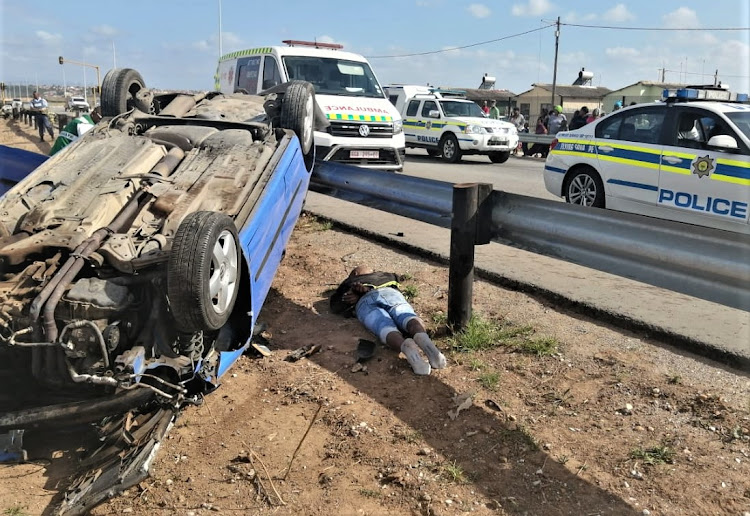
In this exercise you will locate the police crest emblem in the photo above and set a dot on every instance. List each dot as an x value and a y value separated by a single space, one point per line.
703 166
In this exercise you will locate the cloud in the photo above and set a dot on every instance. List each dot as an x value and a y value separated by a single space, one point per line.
622 52
326 39
48 37
229 41
619 13
681 18
479 10
532 8
573 17
104 30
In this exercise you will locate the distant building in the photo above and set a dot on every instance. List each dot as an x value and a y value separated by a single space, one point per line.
538 100
640 92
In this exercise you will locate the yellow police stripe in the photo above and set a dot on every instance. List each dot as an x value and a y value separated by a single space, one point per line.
734 163
624 161
675 170
582 142
573 153
730 179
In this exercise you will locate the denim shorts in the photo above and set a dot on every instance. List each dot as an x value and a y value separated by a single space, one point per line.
384 310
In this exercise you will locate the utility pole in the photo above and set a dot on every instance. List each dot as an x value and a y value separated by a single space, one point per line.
554 73
221 50
716 77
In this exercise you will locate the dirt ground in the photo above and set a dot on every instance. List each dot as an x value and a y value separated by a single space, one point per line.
613 422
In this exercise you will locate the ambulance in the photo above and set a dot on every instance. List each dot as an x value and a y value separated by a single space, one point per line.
365 128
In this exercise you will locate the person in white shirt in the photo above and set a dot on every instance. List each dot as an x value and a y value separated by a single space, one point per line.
39 107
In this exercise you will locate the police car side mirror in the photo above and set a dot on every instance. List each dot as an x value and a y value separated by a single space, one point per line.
434 113
723 142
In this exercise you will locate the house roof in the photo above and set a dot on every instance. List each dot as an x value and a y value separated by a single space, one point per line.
665 85
586 92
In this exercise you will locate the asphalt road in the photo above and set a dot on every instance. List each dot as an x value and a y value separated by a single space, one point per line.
517 175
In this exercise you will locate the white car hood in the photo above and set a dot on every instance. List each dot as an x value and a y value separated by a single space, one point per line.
485 122
357 109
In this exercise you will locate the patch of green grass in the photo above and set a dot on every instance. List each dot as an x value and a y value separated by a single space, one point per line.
407 276
563 459
410 436
481 334
439 318
489 380
476 364
370 493
15 511
674 380
528 437
410 291
654 455
541 346
455 473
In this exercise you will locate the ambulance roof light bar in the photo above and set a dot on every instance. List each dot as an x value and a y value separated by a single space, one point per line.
698 93
314 44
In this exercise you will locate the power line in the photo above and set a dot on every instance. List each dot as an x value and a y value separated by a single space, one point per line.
464 46
699 73
657 28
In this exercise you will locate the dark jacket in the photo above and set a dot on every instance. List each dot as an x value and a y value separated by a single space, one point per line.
577 122
375 279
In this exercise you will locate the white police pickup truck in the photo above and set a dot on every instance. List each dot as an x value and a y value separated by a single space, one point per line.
685 159
448 125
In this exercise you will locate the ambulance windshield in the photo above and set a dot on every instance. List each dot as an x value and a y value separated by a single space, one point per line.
334 76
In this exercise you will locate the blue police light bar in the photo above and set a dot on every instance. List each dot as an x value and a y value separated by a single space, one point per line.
704 94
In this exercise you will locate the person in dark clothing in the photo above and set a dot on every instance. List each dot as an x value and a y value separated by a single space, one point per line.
579 119
375 299
539 148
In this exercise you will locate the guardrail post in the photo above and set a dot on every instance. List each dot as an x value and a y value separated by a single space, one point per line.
461 266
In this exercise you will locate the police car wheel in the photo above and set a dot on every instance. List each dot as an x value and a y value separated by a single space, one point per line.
585 187
449 149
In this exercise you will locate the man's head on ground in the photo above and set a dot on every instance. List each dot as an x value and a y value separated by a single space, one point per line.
361 271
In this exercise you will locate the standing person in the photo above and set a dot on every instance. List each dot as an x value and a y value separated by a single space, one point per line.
494 110
39 107
375 299
75 129
557 121
485 107
519 121
579 119
593 116
617 105
525 145
539 148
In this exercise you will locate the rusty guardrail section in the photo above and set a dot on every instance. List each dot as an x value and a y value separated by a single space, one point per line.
701 262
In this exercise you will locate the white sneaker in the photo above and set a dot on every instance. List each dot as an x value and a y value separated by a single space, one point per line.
436 358
417 363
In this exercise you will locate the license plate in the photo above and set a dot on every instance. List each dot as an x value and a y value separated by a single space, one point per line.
364 154
496 141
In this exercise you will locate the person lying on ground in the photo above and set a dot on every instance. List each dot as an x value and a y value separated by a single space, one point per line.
377 302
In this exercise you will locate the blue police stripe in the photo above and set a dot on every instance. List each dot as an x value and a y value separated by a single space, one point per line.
732 171
646 157
555 169
633 185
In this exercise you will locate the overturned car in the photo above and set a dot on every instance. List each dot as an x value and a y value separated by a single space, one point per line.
134 263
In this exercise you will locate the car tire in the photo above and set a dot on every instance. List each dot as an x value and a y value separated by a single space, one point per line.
433 153
203 272
499 157
298 114
585 187
119 89
449 149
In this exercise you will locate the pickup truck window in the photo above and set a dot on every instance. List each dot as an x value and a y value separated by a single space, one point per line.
413 108
454 108
428 106
332 76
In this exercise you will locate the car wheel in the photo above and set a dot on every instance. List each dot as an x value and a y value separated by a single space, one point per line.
433 153
449 149
119 88
585 187
203 272
298 113
499 157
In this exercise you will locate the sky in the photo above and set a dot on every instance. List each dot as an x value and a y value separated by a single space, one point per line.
175 43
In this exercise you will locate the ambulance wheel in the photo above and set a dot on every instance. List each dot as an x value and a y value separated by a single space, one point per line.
585 187
297 114
449 149
119 89
499 157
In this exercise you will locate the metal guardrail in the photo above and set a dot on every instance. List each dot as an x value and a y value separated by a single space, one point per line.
545 139
697 261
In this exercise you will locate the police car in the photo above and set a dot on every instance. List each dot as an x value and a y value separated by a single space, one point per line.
685 159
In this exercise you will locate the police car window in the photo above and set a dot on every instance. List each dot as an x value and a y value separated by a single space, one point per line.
609 128
742 120
428 106
455 108
413 108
